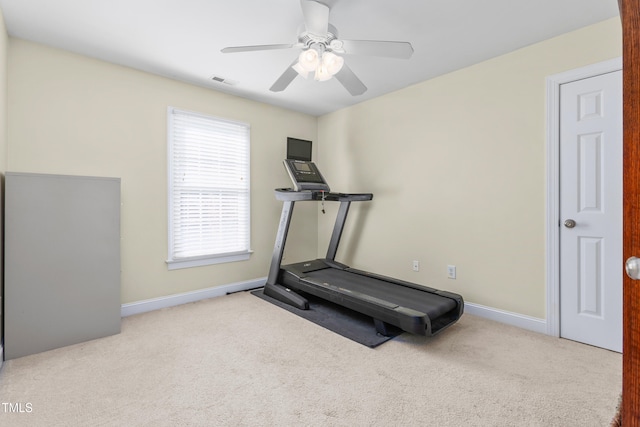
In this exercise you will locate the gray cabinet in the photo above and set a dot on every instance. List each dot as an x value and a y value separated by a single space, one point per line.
62 261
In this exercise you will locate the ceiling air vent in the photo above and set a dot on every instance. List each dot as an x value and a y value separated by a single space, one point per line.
219 79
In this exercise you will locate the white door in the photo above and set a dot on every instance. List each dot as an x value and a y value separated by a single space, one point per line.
591 211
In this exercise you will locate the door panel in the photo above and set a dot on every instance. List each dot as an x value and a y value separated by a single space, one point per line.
591 200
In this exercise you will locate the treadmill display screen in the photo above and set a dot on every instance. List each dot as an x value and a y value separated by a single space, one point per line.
302 167
305 175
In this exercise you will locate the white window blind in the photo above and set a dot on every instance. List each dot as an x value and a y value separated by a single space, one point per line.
208 190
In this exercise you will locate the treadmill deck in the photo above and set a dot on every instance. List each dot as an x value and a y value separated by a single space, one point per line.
406 305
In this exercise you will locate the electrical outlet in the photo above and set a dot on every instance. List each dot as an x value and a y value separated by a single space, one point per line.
416 265
451 271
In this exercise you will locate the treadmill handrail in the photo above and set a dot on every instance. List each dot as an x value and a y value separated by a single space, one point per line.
289 194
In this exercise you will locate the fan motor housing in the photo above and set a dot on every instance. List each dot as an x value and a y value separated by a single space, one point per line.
307 39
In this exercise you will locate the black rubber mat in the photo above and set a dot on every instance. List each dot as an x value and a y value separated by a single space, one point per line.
348 323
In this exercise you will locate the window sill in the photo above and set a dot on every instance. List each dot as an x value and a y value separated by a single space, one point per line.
207 260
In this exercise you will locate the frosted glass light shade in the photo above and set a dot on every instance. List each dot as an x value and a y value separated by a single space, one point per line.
309 59
332 62
322 73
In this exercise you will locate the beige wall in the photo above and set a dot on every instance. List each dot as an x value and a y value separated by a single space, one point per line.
74 115
456 164
457 168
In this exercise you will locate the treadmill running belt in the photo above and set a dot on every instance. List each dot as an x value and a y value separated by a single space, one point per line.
426 302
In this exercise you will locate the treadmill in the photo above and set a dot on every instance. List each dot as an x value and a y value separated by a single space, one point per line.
411 307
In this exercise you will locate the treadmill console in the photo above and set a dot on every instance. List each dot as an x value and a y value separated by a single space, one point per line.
305 175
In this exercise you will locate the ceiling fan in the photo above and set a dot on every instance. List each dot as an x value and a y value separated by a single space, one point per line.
322 50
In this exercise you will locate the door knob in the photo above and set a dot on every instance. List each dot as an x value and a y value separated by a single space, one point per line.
569 223
632 267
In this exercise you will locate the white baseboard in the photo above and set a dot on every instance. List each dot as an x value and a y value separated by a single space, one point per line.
144 306
525 322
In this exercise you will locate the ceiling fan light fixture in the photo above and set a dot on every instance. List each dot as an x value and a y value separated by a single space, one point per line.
332 62
309 59
322 73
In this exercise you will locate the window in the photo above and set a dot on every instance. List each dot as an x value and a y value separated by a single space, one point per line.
208 190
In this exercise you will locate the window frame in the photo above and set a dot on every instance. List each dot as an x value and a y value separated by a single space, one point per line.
172 261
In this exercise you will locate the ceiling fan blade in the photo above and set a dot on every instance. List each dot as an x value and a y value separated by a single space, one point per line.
235 49
316 17
388 49
350 81
285 79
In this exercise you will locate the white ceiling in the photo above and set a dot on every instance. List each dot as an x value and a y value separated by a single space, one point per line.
182 39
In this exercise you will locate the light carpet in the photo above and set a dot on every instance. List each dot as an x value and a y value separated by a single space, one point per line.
240 361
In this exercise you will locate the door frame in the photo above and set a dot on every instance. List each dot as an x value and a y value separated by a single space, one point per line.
553 180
